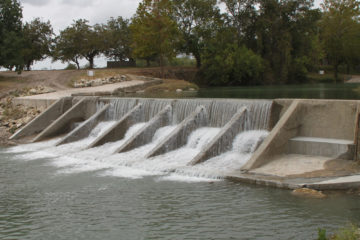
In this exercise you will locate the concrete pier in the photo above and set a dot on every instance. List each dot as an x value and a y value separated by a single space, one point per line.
44 119
74 114
84 129
117 132
179 136
223 141
145 134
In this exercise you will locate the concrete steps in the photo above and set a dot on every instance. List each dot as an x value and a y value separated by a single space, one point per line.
326 147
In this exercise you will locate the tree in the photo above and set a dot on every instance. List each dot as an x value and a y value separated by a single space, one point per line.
284 30
11 34
118 39
154 32
242 16
196 21
80 40
68 46
226 63
341 31
37 41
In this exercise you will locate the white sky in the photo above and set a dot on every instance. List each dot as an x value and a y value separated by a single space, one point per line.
61 14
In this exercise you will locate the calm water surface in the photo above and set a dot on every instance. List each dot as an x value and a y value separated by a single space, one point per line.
38 201
314 91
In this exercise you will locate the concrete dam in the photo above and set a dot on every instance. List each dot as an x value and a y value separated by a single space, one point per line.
218 138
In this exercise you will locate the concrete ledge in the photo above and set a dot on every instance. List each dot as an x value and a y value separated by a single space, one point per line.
264 181
327 147
59 126
85 128
276 142
178 137
339 183
44 119
223 140
117 132
34 102
145 134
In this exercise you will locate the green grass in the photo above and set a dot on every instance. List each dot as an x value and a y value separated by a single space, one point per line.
349 232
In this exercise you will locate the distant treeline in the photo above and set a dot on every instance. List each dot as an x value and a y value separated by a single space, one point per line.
252 42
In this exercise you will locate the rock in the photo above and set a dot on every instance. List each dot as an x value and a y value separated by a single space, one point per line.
123 78
32 91
18 125
192 89
178 90
307 192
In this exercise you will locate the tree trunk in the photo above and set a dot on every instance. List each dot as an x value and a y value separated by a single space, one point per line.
147 62
28 66
91 62
336 72
198 60
76 61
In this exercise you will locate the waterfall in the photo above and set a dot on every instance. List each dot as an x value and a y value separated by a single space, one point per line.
181 129
219 111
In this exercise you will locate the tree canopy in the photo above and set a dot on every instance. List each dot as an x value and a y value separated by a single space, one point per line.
11 34
154 31
250 42
37 40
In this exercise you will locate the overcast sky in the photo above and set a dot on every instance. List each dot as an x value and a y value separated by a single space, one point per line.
61 14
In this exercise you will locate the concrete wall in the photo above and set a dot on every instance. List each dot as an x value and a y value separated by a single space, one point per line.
44 119
276 143
332 119
80 111
222 142
117 132
86 127
179 136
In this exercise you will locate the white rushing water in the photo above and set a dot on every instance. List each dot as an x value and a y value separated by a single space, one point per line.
75 157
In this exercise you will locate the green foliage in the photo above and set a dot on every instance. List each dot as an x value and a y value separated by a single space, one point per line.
183 62
340 32
37 41
197 21
118 39
350 232
11 40
321 234
231 65
70 66
80 40
154 32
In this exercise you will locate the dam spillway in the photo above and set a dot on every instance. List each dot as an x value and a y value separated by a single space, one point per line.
196 137
154 135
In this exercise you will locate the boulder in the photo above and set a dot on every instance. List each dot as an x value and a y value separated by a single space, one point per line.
307 192
33 91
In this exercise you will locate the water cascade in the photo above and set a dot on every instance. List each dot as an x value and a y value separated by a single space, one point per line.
139 137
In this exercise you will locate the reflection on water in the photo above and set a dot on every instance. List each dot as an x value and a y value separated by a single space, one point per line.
38 203
314 91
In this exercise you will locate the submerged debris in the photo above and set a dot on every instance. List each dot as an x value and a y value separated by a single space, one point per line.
307 192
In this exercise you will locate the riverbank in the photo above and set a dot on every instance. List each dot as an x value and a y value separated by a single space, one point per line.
35 90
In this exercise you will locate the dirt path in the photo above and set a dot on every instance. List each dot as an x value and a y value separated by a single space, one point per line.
354 79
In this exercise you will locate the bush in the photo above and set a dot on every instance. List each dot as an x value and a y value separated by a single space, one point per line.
70 66
232 65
